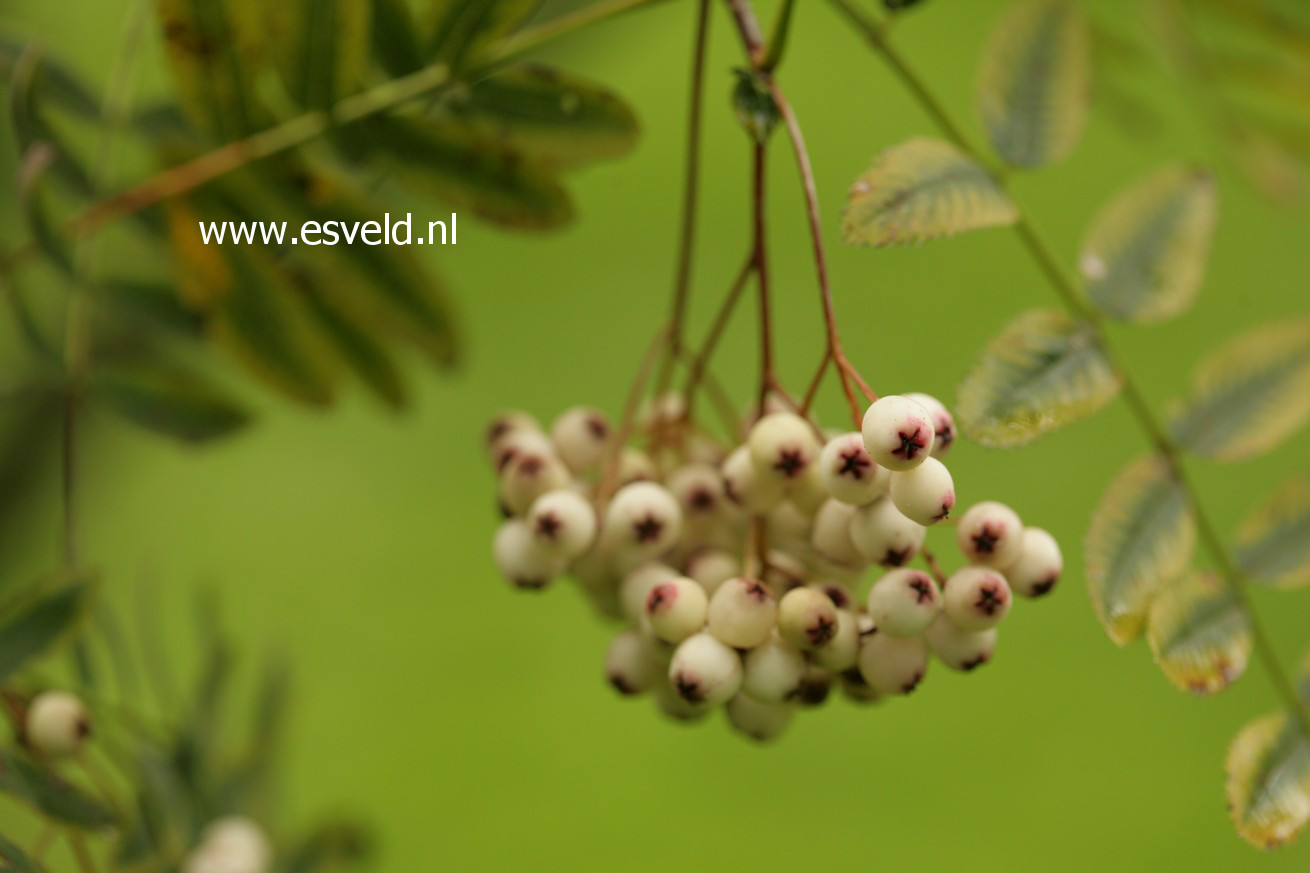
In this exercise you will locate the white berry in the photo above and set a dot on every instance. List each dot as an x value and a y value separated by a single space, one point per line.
745 487
807 618
943 423
507 423
705 671
762 722
519 442
843 650
1039 565
635 466
782 446
893 665
629 666
849 473
831 534
773 670
712 567
520 557
977 598
676 609
57 724
742 613
582 437
563 523
990 534
904 602
884 536
529 475
636 586
233 844
925 494
898 432
643 519
960 649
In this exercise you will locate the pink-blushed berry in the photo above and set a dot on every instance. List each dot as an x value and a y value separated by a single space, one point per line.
977 598
675 609
925 494
943 423
898 432
848 472
904 602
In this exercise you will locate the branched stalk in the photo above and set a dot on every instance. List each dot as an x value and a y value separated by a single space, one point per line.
768 379
1066 288
699 363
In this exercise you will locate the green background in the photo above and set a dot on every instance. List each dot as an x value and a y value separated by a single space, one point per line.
470 724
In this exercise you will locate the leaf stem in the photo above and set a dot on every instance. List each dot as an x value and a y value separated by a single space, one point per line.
1067 289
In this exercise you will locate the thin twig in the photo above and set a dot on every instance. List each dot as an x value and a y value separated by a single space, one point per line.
768 380
1067 290
696 370
610 477
933 566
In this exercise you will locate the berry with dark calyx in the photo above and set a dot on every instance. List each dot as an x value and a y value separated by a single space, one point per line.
959 649
838 593
636 586
742 613
990 534
944 432
529 475
698 488
506 423
815 687
705 671
783 572
773 670
712 567
904 602
643 520
629 665
563 523
848 472
1039 564
925 494
782 446
884 536
893 665
807 618
856 689
676 609
56 724
831 534
582 437
843 650
977 598
898 432
519 442
762 722
673 705
747 488
521 559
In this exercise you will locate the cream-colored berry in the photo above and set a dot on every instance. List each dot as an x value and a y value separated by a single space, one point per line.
57 724
676 609
635 466
1039 564
762 722
629 665
520 557
893 665
807 618
705 671
943 423
563 523
528 476
712 567
904 602
898 432
884 536
506 423
843 650
990 534
926 494
831 534
745 487
957 648
582 437
782 446
849 473
643 519
742 613
636 586
773 670
519 442
977 598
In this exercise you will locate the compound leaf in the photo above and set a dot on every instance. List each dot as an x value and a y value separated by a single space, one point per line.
920 190
1250 395
51 795
461 29
1273 545
321 47
1268 783
15 860
169 401
1145 254
214 48
1034 85
39 625
1042 372
1199 633
1141 539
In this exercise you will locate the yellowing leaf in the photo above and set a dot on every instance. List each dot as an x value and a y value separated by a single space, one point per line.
1034 86
1273 545
1141 539
1042 372
920 190
1146 252
1199 633
1268 786
1250 395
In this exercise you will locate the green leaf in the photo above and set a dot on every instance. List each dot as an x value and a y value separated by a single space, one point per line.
214 50
15 860
358 348
462 29
1199 633
920 190
331 846
551 115
753 103
1273 545
50 794
39 625
56 84
1250 395
1042 372
1268 786
169 401
148 302
471 173
1141 539
395 37
1145 255
33 131
1034 85
321 47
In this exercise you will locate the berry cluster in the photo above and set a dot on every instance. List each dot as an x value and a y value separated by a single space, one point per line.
737 572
